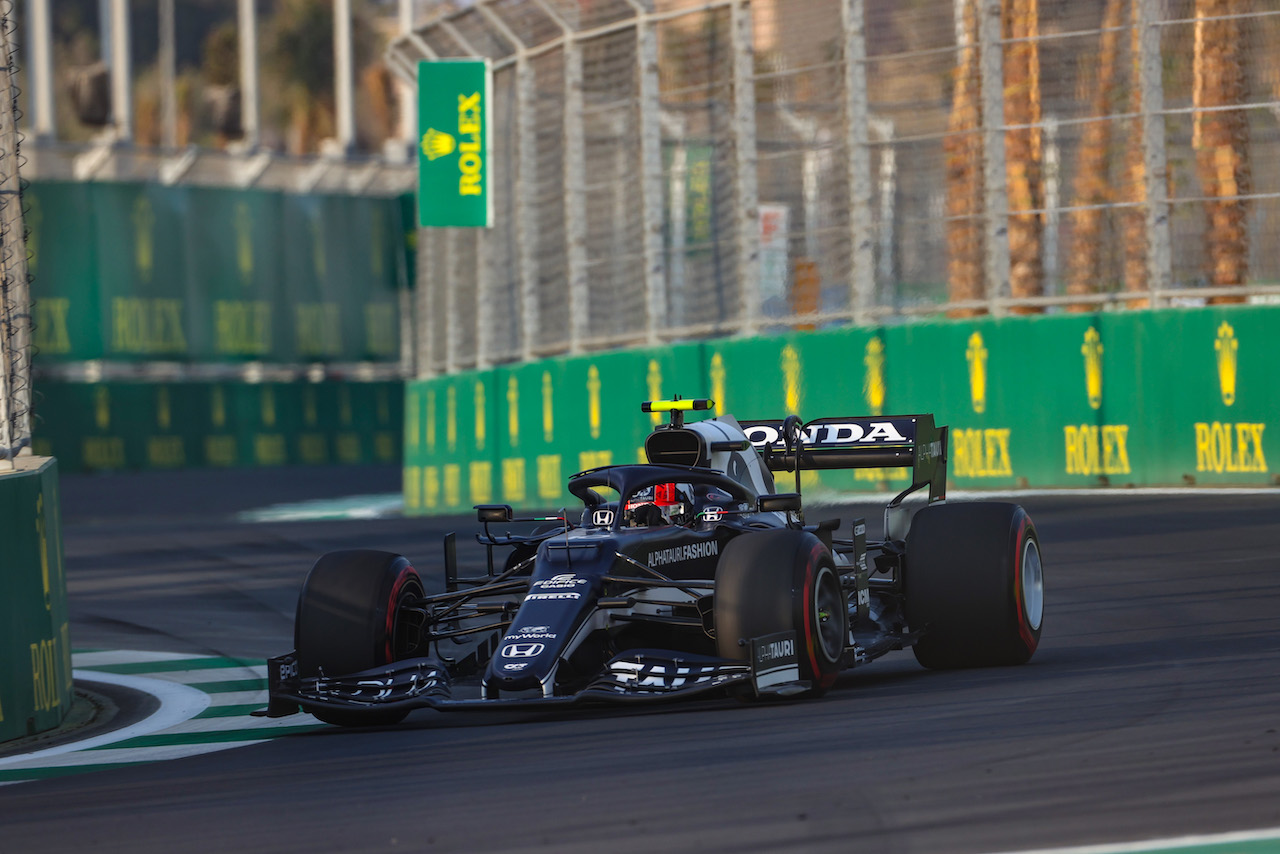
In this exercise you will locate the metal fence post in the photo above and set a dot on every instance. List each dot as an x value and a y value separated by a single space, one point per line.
886 271
452 309
744 138
575 208
650 118
250 112
995 178
857 122
674 125
424 306
525 181
484 303
121 71
1159 253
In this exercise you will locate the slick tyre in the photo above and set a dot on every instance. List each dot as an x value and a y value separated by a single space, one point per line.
974 583
349 619
778 581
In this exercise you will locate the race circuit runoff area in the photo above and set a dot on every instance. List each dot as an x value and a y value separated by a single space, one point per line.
202 704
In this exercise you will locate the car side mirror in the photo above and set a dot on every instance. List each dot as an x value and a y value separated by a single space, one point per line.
494 512
783 502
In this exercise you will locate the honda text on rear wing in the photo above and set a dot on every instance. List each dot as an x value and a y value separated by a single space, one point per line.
850 443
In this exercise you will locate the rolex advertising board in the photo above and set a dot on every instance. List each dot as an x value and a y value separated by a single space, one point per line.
1202 391
454 98
1144 398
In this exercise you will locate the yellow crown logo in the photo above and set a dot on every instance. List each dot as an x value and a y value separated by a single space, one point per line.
977 356
873 387
144 219
513 410
548 411
791 378
718 377
102 407
437 143
654 382
1228 359
480 416
451 418
1092 351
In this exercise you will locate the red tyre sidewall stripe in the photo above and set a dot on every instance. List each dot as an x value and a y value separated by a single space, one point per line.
402 578
822 680
1019 600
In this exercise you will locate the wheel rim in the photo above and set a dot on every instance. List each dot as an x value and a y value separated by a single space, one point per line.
1032 584
828 601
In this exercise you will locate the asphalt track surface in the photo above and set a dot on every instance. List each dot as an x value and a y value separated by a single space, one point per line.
1152 708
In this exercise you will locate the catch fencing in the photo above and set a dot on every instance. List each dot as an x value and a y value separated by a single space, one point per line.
674 169
15 300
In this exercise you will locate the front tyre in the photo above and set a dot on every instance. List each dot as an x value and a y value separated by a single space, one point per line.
974 582
351 618
778 581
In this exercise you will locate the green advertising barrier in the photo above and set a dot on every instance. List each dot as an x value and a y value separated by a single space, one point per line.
1201 390
1011 391
150 426
234 267
66 315
1182 396
515 435
35 644
145 272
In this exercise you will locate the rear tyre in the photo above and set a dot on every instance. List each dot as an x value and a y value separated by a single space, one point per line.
974 583
349 619
778 581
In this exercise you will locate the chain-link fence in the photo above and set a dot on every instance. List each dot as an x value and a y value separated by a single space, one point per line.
669 169
15 310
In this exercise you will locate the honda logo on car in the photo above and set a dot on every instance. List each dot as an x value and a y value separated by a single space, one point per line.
602 518
523 650
692 551
872 432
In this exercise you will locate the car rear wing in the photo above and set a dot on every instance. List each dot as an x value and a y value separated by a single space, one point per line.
892 441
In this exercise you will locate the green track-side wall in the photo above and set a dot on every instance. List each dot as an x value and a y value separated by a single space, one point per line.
1169 397
35 649
136 272
118 425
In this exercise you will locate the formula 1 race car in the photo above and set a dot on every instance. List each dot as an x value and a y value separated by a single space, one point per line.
682 577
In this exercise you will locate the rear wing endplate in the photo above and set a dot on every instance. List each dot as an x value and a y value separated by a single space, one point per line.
894 441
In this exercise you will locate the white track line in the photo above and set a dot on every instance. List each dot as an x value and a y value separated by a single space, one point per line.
178 704
1176 842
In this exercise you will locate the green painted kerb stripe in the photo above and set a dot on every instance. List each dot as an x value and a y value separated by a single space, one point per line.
20 774
230 685
177 665
1256 846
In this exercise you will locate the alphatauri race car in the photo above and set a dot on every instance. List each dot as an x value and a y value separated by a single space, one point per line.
687 576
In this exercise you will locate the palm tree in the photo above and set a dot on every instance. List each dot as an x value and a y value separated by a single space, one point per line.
963 148
1023 153
1221 140
1092 187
